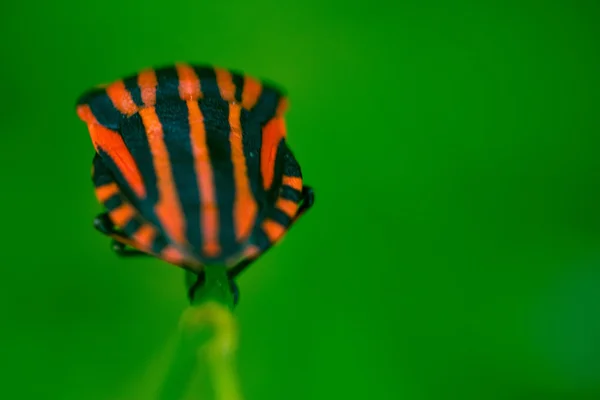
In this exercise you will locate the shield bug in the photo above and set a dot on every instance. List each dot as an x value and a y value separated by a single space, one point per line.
192 166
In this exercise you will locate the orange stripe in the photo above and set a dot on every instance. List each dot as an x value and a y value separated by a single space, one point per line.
251 92
121 215
141 240
189 84
282 107
121 98
104 192
144 236
112 143
147 83
206 185
245 208
293 181
273 229
85 114
225 83
289 207
172 255
251 251
271 136
168 209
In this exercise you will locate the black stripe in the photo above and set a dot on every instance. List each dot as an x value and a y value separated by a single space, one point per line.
167 83
102 107
291 167
278 170
158 244
208 81
101 175
216 123
88 95
134 136
280 217
266 106
285 165
113 202
132 226
289 193
252 142
261 240
238 81
131 83
269 85
174 119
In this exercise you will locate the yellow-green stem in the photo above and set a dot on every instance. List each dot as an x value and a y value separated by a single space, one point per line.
205 354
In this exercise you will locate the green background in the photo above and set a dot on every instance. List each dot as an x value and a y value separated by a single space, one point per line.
453 251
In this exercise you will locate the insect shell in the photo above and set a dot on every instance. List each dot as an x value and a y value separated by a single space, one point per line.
193 166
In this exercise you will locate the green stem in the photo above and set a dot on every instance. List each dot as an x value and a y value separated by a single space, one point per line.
204 357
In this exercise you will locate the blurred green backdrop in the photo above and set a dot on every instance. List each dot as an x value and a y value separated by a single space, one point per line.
454 249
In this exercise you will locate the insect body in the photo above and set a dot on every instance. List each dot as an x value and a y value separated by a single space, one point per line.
193 167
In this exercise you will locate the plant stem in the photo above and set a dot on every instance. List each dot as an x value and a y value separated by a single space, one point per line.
205 355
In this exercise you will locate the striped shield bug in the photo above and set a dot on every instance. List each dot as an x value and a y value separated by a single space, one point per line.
192 166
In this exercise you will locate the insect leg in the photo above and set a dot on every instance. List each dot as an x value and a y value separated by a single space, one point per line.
119 247
103 224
